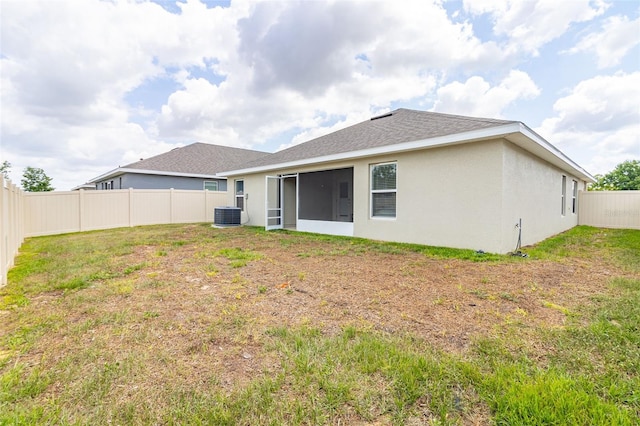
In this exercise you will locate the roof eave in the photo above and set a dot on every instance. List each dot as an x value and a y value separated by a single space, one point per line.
452 139
545 150
123 170
516 132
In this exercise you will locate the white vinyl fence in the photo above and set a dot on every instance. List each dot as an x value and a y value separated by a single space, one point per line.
609 209
11 225
47 213
31 214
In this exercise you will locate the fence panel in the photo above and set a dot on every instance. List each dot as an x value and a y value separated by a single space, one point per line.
104 209
188 206
48 213
151 207
609 209
193 206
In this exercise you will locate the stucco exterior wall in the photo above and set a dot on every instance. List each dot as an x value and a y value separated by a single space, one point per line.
465 196
532 191
254 189
446 196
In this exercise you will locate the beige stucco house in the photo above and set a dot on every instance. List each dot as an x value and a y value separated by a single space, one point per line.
417 177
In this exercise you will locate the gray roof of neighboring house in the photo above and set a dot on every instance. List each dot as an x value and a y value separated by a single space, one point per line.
401 125
198 158
195 160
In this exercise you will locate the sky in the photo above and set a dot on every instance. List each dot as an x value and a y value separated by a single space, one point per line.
88 86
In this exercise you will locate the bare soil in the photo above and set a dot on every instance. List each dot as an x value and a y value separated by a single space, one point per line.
191 317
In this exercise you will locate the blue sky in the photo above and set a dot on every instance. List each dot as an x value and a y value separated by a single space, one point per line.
89 86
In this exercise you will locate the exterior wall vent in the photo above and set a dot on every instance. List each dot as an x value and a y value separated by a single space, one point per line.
226 216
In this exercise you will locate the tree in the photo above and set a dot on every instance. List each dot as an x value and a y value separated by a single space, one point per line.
35 180
624 177
4 169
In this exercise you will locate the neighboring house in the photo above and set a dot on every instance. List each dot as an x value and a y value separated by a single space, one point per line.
417 177
85 186
189 167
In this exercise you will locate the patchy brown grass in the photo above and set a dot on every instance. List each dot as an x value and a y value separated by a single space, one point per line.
187 314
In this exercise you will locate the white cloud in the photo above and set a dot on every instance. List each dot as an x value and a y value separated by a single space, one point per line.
476 97
599 121
617 38
422 37
67 67
67 55
258 74
297 61
530 24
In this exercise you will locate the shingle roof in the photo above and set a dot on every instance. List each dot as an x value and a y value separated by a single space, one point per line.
198 158
401 125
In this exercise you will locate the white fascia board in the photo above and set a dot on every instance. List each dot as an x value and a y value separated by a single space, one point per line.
550 153
121 171
457 138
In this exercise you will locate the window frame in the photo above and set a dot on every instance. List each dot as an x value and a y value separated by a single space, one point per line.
239 195
373 192
574 196
214 182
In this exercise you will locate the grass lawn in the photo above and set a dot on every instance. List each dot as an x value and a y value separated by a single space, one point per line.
189 324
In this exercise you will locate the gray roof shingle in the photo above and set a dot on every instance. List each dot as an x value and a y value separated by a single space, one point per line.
198 158
401 125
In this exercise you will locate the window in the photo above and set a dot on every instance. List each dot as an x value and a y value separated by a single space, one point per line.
240 194
574 197
383 190
210 185
564 196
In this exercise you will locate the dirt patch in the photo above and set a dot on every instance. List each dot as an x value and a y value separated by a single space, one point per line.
189 316
329 285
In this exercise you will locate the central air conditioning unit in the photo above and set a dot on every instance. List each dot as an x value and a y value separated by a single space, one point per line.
226 216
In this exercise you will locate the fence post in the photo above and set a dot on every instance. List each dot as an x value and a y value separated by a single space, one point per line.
4 238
